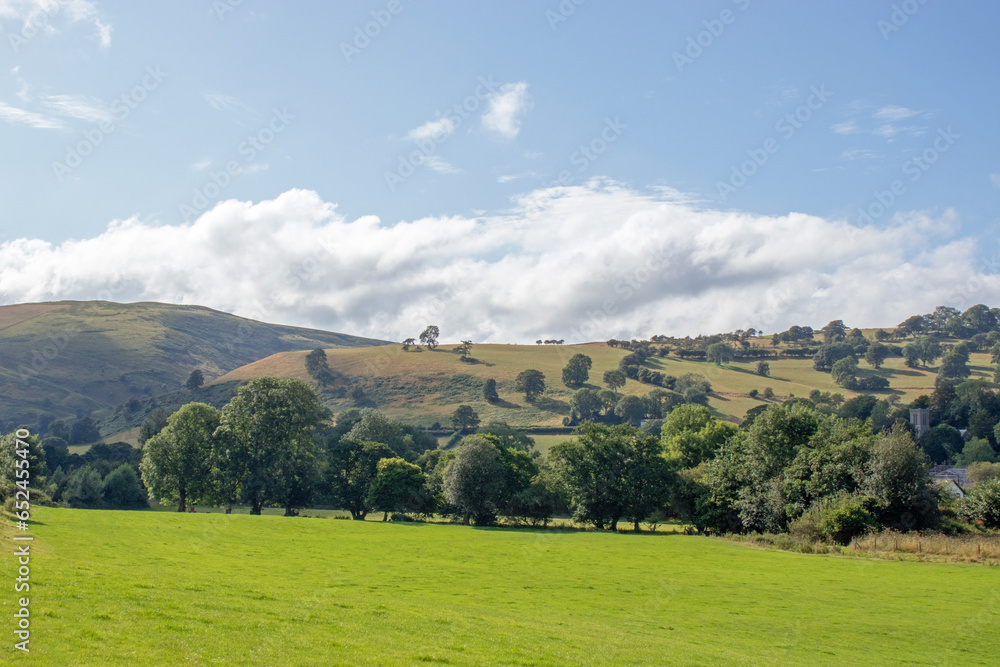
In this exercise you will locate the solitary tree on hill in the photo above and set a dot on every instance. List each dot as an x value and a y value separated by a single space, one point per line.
531 382
577 370
490 394
195 380
429 336
615 379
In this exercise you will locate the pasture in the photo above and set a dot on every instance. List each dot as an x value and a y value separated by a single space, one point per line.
144 588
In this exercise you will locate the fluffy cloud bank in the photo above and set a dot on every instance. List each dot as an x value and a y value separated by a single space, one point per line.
581 263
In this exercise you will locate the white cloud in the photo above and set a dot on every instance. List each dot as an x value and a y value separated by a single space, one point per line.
587 262
47 15
995 179
79 107
507 109
16 116
229 104
434 130
847 127
439 165
893 113
202 164
859 154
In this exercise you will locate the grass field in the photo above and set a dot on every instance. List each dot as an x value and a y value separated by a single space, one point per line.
425 387
158 588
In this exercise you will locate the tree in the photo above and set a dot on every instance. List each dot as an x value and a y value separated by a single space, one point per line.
195 380
691 435
83 432
465 349
876 354
12 465
829 354
122 489
490 394
353 468
84 488
474 480
976 450
270 426
176 462
319 368
429 336
611 473
896 476
509 438
585 405
845 372
577 370
763 368
410 342
630 409
615 379
982 504
464 418
398 487
940 443
834 331
979 319
531 382
912 325
155 422
720 353
953 366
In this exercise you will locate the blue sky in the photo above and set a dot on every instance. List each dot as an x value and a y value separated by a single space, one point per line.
467 129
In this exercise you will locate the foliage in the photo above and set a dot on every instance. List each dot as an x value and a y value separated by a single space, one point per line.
614 379
531 382
509 438
577 370
398 486
318 368
763 368
981 504
352 470
177 461
976 450
429 336
464 418
490 394
474 480
720 353
270 429
195 380
121 489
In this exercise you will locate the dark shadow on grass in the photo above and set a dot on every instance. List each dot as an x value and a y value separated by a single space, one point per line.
506 404
551 405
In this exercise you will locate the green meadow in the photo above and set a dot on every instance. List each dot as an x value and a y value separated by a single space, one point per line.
159 588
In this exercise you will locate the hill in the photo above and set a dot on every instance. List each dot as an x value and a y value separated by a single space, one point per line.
70 358
426 386
127 588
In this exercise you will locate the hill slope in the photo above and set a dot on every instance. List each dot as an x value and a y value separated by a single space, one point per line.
424 387
76 357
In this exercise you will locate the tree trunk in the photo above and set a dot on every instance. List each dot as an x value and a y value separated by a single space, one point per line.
385 516
256 506
289 511
229 508
182 504
465 520
635 524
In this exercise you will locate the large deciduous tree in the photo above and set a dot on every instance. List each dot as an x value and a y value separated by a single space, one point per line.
531 382
577 370
398 486
177 462
270 427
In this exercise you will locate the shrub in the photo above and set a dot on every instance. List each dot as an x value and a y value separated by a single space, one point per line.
982 504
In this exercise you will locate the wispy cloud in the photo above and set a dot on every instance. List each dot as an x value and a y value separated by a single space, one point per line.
893 113
47 15
847 127
434 130
16 116
202 164
79 107
229 104
507 109
439 164
859 154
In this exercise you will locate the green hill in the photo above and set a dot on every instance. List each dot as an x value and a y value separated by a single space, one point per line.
70 358
425 387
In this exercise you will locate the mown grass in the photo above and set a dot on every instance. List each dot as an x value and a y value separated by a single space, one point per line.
157 588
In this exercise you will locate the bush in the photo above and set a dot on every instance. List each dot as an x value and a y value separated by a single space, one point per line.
397 516
122 489
847 521
982 504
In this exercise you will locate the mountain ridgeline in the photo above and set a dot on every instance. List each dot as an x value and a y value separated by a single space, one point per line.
71 358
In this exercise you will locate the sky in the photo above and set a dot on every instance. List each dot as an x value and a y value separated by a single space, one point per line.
508 171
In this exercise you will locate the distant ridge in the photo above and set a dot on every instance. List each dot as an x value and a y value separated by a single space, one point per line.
70 358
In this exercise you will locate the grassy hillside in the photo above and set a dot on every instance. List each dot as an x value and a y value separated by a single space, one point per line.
72 357
426 387
145 588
